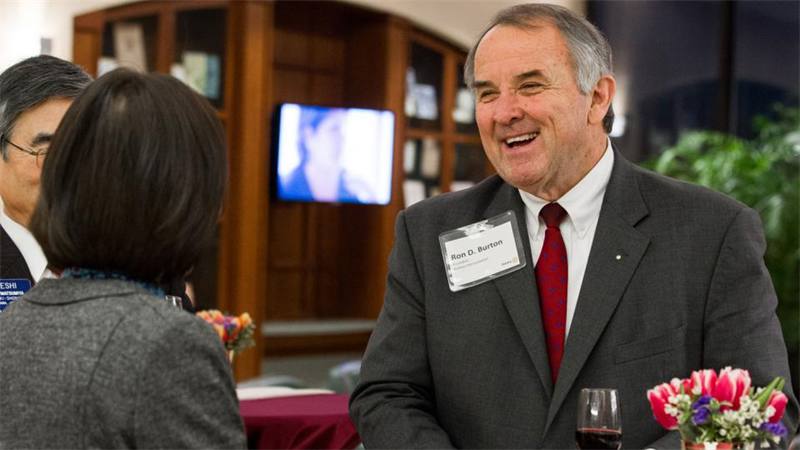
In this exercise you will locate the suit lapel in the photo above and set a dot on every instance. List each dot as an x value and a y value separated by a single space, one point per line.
616 251
518 290
12 263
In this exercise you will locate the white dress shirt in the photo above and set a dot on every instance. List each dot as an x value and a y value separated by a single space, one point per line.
582 204
27 245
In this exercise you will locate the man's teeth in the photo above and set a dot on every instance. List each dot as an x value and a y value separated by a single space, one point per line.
522 138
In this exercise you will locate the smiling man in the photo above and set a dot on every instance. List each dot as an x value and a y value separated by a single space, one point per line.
600 274
34 95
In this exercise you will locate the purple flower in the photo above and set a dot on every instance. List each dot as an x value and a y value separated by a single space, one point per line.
704 400
701 415
701 410
775 428
228 324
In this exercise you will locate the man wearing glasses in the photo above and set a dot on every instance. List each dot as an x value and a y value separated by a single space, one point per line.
34 95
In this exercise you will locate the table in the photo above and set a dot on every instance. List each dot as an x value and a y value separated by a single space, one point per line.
299 422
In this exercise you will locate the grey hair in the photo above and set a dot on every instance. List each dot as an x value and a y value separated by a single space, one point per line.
32 82
588 48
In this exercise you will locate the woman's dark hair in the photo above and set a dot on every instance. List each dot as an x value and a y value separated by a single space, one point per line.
134 179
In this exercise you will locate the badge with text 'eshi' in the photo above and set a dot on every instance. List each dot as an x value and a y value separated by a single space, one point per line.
12 289
482 251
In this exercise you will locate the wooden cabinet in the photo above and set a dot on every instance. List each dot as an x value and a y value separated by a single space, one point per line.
230 276
284 261
441 150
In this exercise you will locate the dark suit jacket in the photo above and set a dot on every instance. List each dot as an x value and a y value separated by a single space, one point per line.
470 368
12 264
104 364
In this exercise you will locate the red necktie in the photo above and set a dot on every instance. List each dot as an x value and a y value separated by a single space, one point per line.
551 279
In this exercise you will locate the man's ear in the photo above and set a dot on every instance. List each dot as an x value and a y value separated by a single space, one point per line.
602 94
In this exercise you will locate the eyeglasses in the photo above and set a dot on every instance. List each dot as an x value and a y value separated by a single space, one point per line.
35 153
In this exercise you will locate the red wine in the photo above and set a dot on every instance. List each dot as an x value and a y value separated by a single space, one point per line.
594 438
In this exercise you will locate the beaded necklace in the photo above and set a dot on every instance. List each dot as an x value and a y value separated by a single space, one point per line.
92 274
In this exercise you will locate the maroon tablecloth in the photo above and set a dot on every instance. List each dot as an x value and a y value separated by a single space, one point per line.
301 422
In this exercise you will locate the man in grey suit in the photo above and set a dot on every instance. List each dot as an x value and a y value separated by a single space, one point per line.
620 279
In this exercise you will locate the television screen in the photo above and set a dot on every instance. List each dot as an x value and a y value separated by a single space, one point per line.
341 155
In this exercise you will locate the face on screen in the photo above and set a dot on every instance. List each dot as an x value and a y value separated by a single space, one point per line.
324 142
334 154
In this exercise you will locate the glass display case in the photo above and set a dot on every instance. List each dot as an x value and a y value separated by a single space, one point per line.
130 42
442 150
199 56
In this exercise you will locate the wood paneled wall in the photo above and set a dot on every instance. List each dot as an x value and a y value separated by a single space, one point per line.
243 250
325 259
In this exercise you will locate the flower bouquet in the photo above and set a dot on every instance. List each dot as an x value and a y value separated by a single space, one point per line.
235 332
720 410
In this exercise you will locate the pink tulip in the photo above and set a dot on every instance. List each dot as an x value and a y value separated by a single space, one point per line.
705 379
778 401
659 398
731 385
677 383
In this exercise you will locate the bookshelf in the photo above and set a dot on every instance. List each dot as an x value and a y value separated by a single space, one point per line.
441 150
181 38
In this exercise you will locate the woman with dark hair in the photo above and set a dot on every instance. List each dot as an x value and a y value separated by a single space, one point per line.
131 191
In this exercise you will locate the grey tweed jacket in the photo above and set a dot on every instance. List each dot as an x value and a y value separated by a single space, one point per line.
105 364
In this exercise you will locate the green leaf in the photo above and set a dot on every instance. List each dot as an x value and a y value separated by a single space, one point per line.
763 396
688 432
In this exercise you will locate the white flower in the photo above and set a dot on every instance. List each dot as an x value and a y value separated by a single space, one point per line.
769 412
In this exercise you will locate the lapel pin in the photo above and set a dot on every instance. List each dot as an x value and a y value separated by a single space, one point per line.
618 257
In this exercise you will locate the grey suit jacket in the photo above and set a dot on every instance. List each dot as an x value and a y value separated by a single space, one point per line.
105 364
470 368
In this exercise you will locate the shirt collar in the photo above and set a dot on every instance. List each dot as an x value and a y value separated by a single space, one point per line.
26 243
583 201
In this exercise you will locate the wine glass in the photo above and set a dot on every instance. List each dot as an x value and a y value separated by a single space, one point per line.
599 423
174 300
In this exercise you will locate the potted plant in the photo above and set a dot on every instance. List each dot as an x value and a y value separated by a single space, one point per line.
763 173
236 332
720 411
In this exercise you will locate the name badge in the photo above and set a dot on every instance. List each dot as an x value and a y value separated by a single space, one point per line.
12 289
482 251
